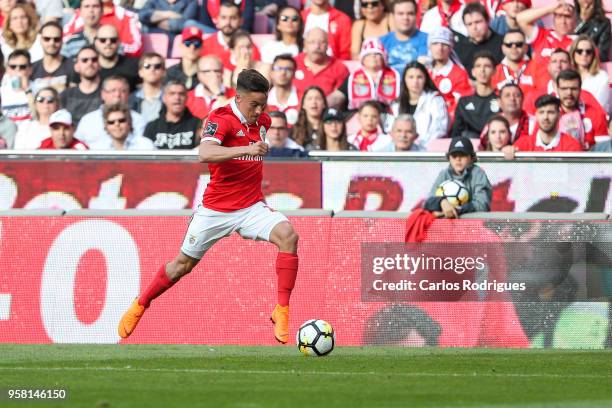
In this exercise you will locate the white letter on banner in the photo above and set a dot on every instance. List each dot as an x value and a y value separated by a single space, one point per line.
8 192
57 286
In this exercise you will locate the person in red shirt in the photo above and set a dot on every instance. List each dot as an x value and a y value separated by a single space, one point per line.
513 68
315 67
228 22
124 20
335 23
62 133
209 93
233 145
547 137
544 41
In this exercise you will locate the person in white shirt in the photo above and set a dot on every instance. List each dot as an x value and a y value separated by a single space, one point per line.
585 60
289 35
118 124
30 133
403 136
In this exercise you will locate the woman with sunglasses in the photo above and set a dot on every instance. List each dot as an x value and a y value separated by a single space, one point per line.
585 60
31 132
374 22
289 35
593 22
20 31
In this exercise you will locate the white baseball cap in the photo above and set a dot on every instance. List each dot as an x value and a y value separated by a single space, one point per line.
61 116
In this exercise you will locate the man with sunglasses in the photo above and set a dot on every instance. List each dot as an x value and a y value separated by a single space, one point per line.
111 63
209 93
53 69
514 67
85 97
15 90
117 122
186 71
148 99
62 133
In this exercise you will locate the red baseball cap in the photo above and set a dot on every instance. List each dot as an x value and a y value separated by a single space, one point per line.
191 32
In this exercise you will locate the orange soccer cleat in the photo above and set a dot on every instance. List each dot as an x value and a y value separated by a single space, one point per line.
130 319
280 318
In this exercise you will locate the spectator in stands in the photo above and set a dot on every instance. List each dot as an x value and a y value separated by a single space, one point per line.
211 14
369 137
593 22
209 93
289 35
374 80
167 15
309 125
5 8
497 137
583 53
548 137
406 43
543 41
20 31
480 37
118 125
334 138
420 98
474 111
15 89
191 49
511 107
111 63
62 133
446 71
175 128
335 23
79 35
115 89
546 83
403 135
125 21
85 97
448 14
228 21
278 138
283 95
505 22
242 57
147 100
32 132
269 9
512 69
315 67
49 10
8 129
462 167
580 119
53 69
374 22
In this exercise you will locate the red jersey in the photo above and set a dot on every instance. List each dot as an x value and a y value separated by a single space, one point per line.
216 45
290 109
338 32
234 184
453 82
328 79
561 143
199 104
505 75
76 144
543 43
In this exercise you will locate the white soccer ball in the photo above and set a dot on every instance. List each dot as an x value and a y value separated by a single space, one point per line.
454 191
315 338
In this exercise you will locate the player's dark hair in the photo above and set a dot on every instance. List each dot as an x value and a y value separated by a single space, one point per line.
250 80
285 57
485 54
51 23
404 96
396 2
545 100
20 53
509 85
569 75
475 7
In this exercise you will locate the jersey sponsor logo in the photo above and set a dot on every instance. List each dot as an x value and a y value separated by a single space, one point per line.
211 129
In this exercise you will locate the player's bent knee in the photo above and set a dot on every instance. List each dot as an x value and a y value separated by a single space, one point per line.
285 237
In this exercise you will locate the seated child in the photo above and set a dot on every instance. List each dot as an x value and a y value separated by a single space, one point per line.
370 136
461 167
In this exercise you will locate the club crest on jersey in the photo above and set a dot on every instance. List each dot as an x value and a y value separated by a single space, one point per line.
211 129
262 133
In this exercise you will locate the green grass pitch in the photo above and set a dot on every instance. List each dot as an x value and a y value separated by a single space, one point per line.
250 377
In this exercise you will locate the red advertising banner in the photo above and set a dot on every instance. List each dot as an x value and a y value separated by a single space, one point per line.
69 280
141 184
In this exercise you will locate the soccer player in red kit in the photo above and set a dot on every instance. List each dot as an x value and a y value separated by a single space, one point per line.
233 145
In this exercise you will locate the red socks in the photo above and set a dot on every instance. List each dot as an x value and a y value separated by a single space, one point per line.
158 285
286 271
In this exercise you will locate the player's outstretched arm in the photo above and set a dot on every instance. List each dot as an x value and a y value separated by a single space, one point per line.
211 152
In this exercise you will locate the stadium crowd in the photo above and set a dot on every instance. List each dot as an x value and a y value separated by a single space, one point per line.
369 75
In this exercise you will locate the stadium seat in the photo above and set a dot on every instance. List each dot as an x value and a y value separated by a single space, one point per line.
295 3
607 6
352 65
260 25
260 40
172 61
156 42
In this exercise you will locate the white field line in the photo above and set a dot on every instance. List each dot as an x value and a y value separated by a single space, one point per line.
306 372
